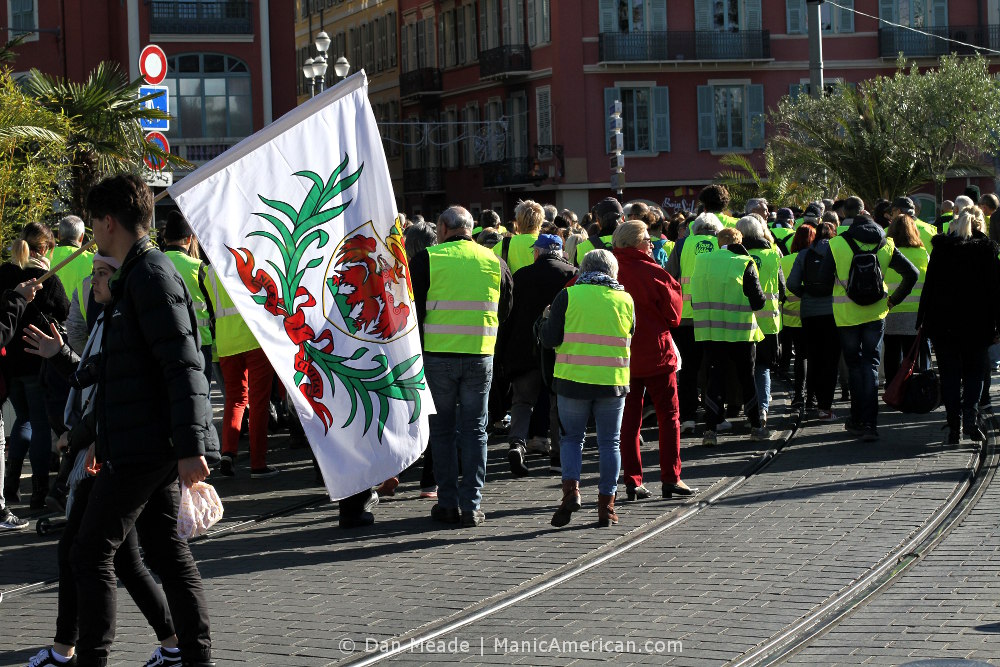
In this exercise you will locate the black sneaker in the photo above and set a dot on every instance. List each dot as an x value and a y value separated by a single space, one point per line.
472 518
515 456
870 433
263 473
10 522
44 658
162 656
359 520
854 428
226 466
445 514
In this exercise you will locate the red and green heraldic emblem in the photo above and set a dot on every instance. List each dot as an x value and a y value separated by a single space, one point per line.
368 281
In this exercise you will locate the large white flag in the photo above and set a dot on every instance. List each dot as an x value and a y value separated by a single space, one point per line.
300 223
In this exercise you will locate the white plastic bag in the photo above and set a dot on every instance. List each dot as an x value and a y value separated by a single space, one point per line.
200 509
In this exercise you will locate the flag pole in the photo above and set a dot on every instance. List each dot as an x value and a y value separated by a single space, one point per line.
51 272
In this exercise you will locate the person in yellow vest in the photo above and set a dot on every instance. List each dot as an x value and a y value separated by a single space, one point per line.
178 244
715 199
488 218
517 250
905 206
247 376
792 334
901 322
75 277
725 293
989 205
783 229
945 216
680 265
772 281
608 213
461 292
861 256
590 326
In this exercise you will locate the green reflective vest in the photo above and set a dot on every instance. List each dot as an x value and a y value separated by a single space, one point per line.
520 252
189 268
919 258
721 310
232 335
693 246
586 246
926 230
780 233
842 228
792 307
463 299
947 219
768 261
72 275
595 347
846 312
727 220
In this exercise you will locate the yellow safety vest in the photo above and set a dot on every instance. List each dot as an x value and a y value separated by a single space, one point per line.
72 275
727 220
693 246
596 337
846 312
919 258
520 253
586 246
189 267
463 299
791 309
927 231
721 310
768 261
232 335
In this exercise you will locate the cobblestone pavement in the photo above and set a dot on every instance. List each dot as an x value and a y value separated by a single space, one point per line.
296 590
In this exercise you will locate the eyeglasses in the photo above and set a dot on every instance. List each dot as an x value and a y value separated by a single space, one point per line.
645 239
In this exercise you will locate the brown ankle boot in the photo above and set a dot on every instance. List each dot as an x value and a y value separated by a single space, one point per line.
606 511
570 503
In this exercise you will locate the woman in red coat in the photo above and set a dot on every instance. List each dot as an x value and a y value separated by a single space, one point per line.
654 360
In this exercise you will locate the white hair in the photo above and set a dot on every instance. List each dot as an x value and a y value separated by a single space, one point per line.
706 224
961 203
456 217
70 228
602 261
752 228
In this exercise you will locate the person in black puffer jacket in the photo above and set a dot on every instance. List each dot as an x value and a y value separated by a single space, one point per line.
152 427
961 321
30 431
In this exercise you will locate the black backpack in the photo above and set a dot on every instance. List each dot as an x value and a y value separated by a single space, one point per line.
865 284
812 278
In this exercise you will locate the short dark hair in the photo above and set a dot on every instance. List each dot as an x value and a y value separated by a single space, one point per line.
125 198
715 198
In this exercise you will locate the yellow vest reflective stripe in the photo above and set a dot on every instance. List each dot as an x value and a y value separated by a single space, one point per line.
72 275
519 254
586 246
919 258
721 310
232 335
462 300
791 309
768 261
596 337
693 246
846 312
189 268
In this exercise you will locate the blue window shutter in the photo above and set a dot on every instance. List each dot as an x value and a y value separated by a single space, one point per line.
610 95
661 119
703 14
706 118
755 95
887 11
751 20
845 16
658 15
609 16
939 14
795 17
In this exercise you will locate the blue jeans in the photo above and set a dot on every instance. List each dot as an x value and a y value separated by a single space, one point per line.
862 347
574 414
30 433
460 386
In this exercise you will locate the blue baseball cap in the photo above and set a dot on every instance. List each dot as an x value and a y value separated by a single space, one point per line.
548 242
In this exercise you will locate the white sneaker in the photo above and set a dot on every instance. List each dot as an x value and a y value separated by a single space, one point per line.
538 445
760 433
724 425
10 522
688 426
161 657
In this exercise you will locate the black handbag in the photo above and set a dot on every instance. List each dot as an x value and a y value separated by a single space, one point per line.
912 391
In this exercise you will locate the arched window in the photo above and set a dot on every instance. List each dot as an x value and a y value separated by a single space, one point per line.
209 96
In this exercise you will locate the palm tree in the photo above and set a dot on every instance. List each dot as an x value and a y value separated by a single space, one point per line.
744 182
104 113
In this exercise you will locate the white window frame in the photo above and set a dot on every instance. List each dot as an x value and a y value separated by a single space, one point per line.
32 36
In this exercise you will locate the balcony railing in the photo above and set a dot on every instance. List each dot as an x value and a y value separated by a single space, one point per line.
673 45
423 181
893 41
423 81
504 173
505 60
225 17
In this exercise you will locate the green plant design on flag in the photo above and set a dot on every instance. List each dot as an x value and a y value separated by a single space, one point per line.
282 294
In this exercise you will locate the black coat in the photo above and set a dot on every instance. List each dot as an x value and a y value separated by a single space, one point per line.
960 300
535 286
12 307
50 304
152 400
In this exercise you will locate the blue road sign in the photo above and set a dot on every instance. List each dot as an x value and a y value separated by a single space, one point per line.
161 103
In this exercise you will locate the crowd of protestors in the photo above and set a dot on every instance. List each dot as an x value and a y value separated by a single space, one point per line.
628 315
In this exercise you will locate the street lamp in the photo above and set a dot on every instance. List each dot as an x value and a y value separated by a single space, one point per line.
322 42
310 73
319 70
341 67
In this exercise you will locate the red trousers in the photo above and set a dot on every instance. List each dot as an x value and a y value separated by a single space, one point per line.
663 391
248 378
